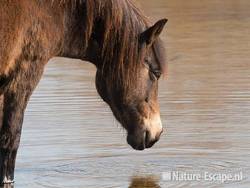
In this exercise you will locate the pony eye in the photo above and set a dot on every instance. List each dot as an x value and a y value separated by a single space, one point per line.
155 74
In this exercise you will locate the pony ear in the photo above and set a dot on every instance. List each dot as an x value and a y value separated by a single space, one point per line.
152 33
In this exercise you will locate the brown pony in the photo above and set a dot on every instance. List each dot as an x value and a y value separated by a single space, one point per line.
112 34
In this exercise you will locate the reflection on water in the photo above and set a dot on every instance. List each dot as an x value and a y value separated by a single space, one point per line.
144 182
70 138
7 186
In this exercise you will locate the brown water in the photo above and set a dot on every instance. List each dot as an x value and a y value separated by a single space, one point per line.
70 138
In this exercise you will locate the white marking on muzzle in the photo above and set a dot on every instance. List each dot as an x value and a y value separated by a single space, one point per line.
154 125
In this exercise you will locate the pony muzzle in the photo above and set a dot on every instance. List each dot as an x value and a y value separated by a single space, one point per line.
147 136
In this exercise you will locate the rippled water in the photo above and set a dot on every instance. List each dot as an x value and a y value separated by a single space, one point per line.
70 138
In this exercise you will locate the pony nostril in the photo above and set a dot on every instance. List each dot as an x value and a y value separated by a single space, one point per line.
159 135
149 141
147 138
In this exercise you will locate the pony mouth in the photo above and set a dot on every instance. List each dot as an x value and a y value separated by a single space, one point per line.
143 143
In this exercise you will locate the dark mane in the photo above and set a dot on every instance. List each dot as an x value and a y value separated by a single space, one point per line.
121 23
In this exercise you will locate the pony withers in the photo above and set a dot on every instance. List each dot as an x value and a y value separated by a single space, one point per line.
113 35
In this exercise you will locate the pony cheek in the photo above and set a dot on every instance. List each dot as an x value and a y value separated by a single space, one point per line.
101 90
103 94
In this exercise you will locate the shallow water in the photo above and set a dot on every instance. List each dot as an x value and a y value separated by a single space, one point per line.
70 138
